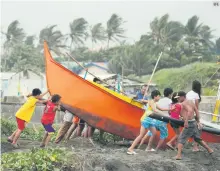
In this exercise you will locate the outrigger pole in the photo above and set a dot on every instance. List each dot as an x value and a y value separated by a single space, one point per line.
155 67
93 74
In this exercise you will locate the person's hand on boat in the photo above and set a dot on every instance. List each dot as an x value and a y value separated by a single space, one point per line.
200 126
144 101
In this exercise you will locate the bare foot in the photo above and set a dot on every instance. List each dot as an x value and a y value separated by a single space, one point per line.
210 151
131 152
151 150
195 150
178 157
42 146
169 145
9 140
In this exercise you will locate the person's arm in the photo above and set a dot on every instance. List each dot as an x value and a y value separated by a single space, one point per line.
42 95
42 101
197 114
163 109
144 101
56 108
197 103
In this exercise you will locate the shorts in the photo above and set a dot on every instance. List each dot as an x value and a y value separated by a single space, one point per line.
191 131
81 122
148 122
49 128
174 125
162 127
20 123
77 120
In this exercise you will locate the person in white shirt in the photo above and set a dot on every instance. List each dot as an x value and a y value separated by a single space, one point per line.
160 125
68 117
195 96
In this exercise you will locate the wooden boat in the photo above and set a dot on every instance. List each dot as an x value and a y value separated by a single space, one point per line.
100 107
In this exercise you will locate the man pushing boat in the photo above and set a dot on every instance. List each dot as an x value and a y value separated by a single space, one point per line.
192 125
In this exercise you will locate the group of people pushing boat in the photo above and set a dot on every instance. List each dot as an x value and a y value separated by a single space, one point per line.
176 105
53 104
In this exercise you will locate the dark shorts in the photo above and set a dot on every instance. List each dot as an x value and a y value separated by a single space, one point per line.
191 131
49 128
174 125
81 122
20 123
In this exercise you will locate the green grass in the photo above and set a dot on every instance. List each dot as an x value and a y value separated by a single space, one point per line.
182 78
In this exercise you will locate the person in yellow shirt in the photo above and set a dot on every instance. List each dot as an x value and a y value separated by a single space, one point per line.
25 113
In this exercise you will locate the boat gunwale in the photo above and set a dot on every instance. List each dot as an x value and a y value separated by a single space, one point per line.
86 81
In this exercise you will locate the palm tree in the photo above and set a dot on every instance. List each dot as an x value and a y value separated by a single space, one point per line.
78 31
164 35
114 29
29 40
14 34
156 27
206 36
97 33
53 37
192 31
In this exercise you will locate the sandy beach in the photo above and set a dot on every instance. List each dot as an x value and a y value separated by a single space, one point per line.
113 157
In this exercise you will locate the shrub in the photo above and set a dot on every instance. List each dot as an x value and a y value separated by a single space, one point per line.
39 160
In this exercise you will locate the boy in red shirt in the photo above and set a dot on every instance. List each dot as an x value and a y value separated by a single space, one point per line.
25 113
48 118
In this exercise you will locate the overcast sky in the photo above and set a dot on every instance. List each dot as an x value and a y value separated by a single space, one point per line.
35 15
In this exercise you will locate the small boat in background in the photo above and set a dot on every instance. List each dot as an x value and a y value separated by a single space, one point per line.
100 107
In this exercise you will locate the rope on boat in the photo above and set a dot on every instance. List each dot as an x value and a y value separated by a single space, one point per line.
94 75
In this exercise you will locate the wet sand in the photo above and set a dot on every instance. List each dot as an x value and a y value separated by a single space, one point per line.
113 157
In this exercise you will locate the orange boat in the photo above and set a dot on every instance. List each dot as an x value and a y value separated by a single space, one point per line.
100 107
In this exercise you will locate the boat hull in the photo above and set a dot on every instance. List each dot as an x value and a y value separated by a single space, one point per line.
102 109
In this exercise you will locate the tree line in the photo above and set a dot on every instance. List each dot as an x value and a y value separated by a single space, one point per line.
181 44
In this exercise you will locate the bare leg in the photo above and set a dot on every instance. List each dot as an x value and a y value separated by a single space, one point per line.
70 131
153 131
179 153
202 143
195 147
160 143
10 139
44 139
47 139
143 140
174 139
80 129
138 139
62 131
16 136
86 132
91 131
101 135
